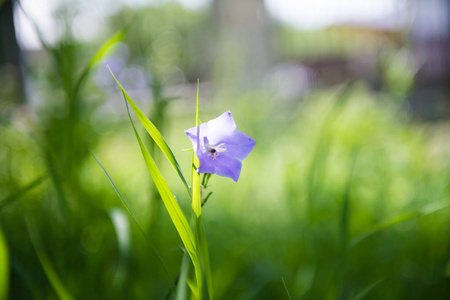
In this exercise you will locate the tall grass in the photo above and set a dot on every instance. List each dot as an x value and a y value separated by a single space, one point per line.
365 216
342 198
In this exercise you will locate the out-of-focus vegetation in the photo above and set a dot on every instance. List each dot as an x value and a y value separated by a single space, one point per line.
344 197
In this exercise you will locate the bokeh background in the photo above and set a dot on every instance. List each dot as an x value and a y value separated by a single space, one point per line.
346 195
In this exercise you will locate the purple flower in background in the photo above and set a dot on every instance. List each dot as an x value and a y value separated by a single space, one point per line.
220 147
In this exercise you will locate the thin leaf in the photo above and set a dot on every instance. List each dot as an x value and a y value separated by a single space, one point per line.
204 256
56 178
155 134
10 199
196 219
38 31
366 291
206 198
182 282
158 256
285 287
319 161
122 228
196 195
345 215
172 207
193 288
117 37
4 267
397 220
48 267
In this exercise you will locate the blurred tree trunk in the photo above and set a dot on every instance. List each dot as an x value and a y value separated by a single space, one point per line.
243 53
10 60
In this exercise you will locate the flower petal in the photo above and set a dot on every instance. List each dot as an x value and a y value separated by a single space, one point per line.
206 164
220 127
196 134
220 147
238 144
228 166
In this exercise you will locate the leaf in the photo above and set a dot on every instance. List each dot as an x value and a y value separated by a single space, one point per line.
38 31
397 220
204 256
52 167
154 133
172 207
10 199
182 282
48 267
122 228
346 202
286 289
117 37
318 164
196 195
158 256
4 267
366 291
196 218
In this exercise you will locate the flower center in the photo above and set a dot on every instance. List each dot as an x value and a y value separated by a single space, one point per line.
214 151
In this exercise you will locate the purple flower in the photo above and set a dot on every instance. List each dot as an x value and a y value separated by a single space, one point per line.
220 147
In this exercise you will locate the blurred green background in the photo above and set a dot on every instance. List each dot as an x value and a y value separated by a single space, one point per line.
345 196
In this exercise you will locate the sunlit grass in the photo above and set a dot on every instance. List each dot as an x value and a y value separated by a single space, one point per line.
344 200
261 225
343 197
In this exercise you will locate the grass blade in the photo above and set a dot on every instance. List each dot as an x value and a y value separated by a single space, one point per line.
345 215
196 197
397 220
158 256
366 291
10 199
319 160
172 207
154 133
285 287
117 37
204 256
4 267
182 282
48 267
118 193
122 228
196 219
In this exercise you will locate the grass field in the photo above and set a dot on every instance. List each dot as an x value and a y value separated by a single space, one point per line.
343 197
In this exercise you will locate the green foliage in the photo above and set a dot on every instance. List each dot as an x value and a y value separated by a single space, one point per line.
155 134
48 267
336 195
4 267
344 197
174 210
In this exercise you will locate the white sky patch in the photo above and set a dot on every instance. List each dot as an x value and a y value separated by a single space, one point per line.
41 14
303 14
88 22
316 14
195 4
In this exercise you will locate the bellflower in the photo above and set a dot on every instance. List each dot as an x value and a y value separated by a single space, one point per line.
220 147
